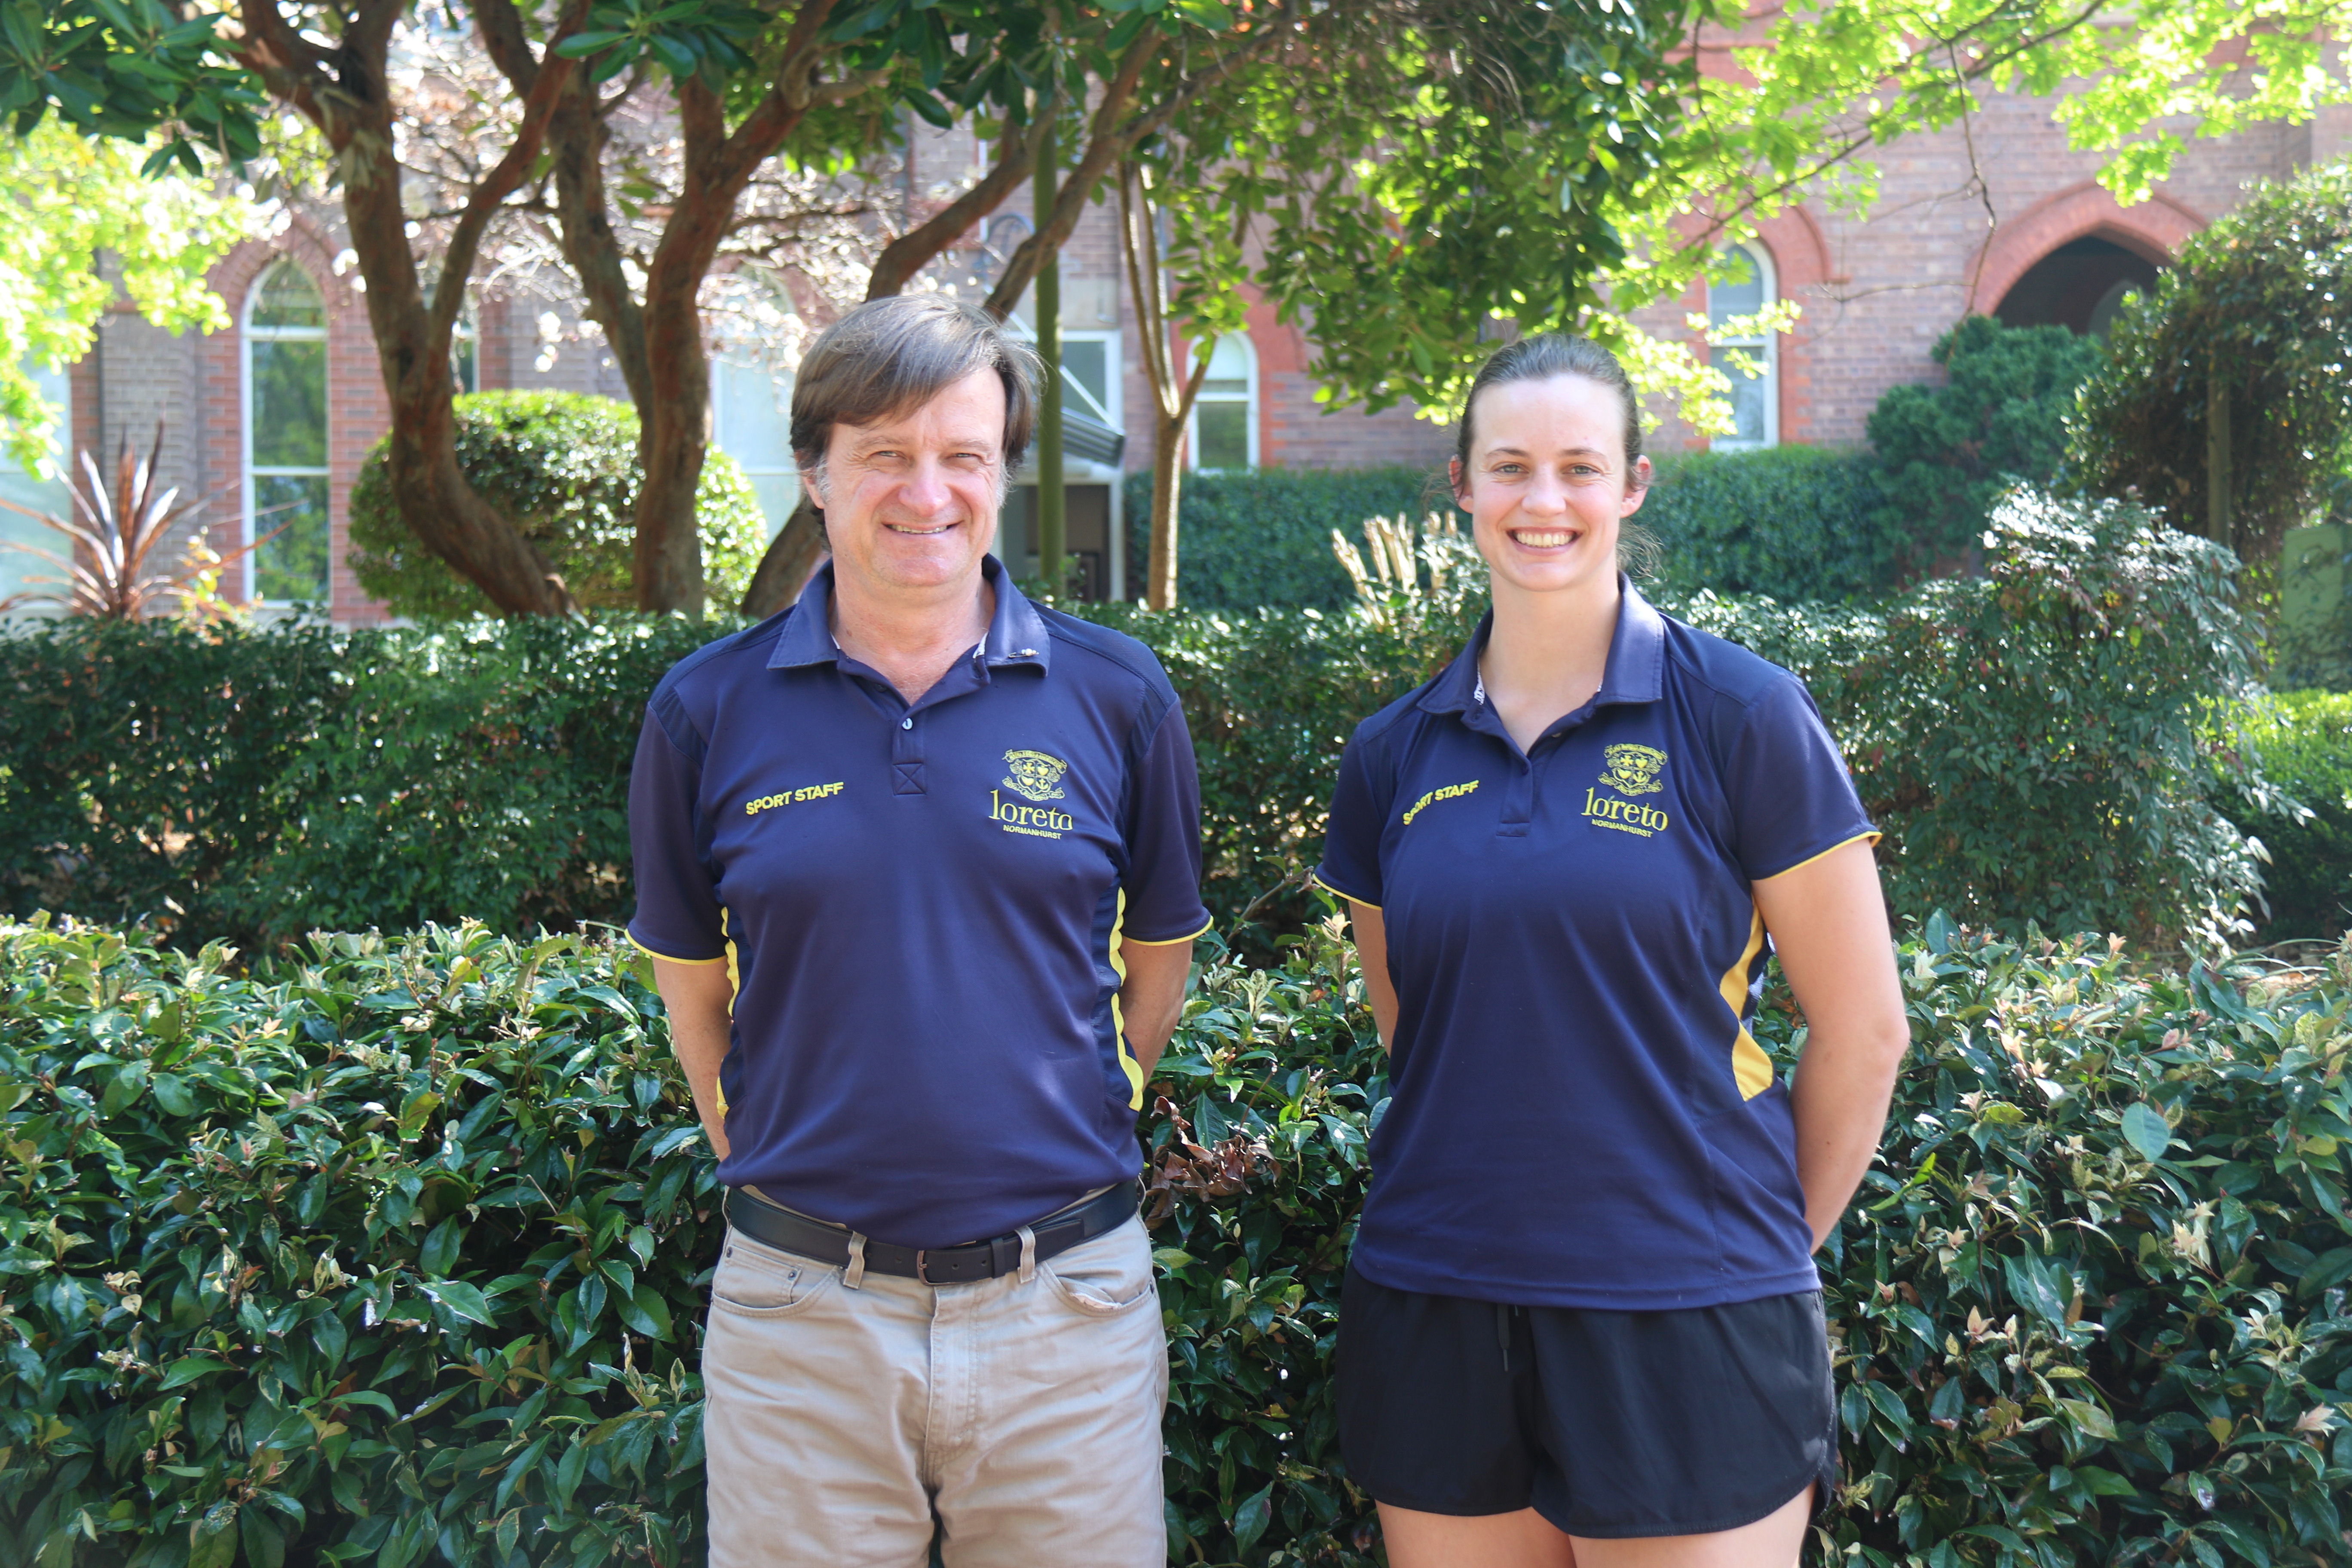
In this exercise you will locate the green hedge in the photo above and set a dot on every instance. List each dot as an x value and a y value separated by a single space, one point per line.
1264 536
253 782
2034 741
562 468
1798 523
2303 743
399 1251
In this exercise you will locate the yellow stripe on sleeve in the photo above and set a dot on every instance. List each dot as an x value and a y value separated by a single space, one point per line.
666 958
1334 887
1164 941
1751 1067
1133 1069
1872 837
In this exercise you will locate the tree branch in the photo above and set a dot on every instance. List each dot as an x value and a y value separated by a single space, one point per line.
914 250
482 204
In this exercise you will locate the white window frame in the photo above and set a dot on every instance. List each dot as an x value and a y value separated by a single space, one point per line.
247 335
1249 401
1768 346
1113 413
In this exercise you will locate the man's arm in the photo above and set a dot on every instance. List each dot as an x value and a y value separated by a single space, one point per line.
1152 996
1827 921
1372 956
699 998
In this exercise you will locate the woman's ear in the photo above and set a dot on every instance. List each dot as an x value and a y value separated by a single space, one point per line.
1454 472
1639 490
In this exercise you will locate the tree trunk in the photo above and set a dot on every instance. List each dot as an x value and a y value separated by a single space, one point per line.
1053 496
791 559
2216 457
1166 483
445 512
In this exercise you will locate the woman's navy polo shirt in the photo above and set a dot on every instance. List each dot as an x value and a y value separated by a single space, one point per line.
1579 1116
921 907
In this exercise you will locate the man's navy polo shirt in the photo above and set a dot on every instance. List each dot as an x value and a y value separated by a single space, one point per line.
1581 1118
921 908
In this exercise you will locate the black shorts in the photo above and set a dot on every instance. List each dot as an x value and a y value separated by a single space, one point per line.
1610 1425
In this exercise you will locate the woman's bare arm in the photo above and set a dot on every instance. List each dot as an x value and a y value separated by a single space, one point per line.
1828 920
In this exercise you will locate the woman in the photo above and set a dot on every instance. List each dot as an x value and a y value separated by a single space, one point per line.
1583 1324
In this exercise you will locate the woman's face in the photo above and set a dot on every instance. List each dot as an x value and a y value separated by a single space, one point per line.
1548 483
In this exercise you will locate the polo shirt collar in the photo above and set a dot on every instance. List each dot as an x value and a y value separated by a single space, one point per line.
1016 632
1635 672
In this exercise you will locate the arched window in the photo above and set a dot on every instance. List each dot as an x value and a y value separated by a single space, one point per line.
1225 418
1751 361
286 437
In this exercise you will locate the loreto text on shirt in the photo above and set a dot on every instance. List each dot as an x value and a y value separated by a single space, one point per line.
790 798
1038 821
1449 793
1607 811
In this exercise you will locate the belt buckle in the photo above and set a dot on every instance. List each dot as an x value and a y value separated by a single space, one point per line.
920 1257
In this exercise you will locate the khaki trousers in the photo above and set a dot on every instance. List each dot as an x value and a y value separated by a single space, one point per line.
1023 1413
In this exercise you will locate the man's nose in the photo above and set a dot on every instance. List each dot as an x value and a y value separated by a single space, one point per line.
925 488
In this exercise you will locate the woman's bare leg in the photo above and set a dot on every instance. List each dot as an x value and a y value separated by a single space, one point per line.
1521 1540
1772 1542
1526 1540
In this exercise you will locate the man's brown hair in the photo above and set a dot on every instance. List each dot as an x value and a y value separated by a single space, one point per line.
894 353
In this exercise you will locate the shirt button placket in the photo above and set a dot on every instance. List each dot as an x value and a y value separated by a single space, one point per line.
907 758
1518 799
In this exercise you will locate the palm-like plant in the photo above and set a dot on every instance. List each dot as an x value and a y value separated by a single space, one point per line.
116 569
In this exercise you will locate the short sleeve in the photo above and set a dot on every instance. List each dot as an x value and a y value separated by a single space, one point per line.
678 917
1351 843
1164 849
1791 798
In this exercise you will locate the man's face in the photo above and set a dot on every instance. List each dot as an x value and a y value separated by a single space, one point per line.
910 502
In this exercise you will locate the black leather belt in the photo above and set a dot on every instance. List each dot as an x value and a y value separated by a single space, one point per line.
785 1231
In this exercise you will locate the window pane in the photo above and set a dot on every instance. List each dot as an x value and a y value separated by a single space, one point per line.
294 564
1750 388
1222 436
1087 364
288 298
752 425
289 404
41 494
778 493
1229 369
1738 296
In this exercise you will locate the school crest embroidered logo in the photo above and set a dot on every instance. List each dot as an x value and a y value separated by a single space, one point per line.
1034 774
1633 770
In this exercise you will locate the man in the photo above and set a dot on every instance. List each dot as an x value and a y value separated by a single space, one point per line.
918 863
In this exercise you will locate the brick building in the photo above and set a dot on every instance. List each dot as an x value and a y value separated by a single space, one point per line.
274 414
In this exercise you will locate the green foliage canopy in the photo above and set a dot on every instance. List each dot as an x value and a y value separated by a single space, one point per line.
562 468
2261 299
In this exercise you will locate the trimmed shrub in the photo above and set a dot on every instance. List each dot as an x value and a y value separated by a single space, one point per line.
1948 452
1264 536
146 766
400 1252
2301 742
1799 523
562 468
2033 742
